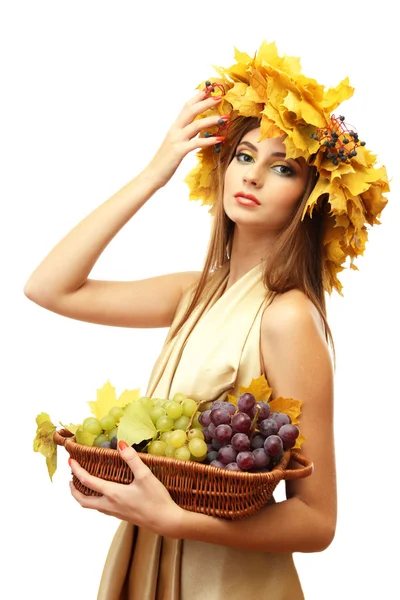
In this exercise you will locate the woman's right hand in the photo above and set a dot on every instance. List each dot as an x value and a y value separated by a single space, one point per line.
180 139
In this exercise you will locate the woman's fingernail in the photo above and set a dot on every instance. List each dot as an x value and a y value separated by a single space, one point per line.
122 445
69 461
216 97
220 138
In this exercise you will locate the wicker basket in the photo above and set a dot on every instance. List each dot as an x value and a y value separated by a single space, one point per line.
193 486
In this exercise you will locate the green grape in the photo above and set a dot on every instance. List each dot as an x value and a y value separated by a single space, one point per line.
170 451
177 439
157 447
165 435
116 412
164 423
182 453
112 433
189 406
195 433
156 412
174 410
92 425
147 402
197 447
181 423
159 401
102 437
179 397
198 458
107 422
196 422
84 437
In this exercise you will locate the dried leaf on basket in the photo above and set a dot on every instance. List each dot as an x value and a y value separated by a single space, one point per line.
107 399
44 442
136 425
291 407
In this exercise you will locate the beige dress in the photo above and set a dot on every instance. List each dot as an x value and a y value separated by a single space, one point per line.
217 350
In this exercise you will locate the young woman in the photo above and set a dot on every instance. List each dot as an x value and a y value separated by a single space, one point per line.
258 307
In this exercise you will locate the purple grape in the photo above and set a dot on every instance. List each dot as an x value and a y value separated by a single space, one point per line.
223 433
246 402
245 460
261 458
289 434
282 419
207 435
211 429
268 427
114 442
241 442
217 404
257 441
273 445
264 413
277 459
233 467
220 416
227 454
212 455
216 445
217 463
209 446
231 408
204 418
105 445
241 422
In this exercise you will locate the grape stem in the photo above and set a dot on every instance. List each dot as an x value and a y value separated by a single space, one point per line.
254 423
189 425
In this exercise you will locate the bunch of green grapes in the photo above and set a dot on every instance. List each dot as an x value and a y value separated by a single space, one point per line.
104 429
180 432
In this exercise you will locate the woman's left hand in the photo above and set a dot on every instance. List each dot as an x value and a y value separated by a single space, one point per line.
145 502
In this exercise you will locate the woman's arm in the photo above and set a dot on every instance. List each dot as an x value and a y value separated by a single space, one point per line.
299 366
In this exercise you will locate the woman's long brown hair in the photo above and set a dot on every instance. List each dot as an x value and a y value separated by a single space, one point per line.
296 259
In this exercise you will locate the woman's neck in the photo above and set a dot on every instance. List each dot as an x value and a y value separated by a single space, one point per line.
247 251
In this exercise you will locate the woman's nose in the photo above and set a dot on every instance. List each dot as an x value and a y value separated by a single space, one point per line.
252 178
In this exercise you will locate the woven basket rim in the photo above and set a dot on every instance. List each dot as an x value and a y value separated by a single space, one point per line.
276 474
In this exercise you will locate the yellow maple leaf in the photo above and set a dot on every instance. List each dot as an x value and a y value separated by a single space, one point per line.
232 399
107 398
299 442
259 388
289 406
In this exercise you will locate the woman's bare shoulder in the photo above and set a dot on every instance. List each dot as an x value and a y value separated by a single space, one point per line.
289 308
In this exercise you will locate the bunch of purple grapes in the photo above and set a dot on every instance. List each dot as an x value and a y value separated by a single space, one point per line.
246 437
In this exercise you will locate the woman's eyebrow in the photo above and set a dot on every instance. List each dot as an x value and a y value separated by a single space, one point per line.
278 154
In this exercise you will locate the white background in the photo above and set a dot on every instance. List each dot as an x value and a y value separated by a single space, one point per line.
89 89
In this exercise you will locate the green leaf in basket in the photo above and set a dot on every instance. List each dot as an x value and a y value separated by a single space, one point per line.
136 425
44 442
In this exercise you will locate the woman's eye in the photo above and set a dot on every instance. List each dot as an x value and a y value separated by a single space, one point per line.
285 170
241 156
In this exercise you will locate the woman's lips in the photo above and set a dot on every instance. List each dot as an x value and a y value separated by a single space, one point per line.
246 201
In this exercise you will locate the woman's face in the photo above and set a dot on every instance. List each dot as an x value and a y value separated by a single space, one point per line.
260 169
